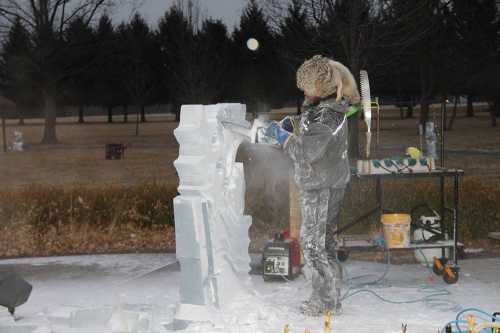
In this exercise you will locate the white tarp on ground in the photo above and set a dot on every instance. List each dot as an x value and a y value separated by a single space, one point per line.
80 294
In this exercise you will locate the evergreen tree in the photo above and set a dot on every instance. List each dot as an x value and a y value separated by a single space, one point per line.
47 21
214 61
296 38
80 64
138 50
108 87
16 68
261 74
176 41
477 29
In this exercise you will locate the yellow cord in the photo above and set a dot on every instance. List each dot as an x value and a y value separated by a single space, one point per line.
479 327
470 323
328 322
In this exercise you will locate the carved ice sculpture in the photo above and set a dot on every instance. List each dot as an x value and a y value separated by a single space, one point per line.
210 227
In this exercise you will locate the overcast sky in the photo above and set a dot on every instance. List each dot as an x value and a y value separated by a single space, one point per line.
227 10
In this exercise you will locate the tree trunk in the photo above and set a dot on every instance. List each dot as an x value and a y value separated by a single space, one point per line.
177 111
444 109
470 106
353 136
453 114
125 113
81 119
20 111
424 110
494 111
409 111
50 113
137 120
401 111
110 114
143 114
425 93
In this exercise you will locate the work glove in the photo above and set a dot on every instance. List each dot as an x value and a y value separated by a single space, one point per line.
275 131
353 109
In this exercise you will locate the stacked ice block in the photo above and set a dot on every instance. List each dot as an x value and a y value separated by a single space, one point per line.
211 229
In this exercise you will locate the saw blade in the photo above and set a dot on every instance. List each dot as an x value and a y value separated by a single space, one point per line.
366 99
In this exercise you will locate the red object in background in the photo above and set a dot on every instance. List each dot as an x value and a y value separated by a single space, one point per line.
281 257
286 234
294 249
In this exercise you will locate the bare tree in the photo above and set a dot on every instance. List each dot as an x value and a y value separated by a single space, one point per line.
46 20
357 32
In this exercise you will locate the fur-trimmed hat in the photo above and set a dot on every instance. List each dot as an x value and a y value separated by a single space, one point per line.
317 78
323 77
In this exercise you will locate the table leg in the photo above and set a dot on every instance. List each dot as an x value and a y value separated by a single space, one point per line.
442 210
455 218
380 197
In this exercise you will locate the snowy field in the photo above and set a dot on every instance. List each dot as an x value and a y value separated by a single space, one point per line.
99 293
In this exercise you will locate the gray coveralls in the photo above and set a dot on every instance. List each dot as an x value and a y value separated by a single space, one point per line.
320 155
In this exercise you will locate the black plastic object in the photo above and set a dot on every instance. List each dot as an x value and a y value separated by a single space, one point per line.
342 255
495 315
14 291
115 151
448 329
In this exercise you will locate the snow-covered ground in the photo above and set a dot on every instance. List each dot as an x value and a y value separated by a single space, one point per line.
96 293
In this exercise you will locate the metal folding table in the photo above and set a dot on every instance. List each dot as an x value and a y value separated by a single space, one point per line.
348 243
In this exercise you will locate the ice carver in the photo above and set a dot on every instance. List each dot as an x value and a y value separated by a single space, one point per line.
317 144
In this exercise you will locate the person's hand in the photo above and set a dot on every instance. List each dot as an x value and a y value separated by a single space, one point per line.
275 131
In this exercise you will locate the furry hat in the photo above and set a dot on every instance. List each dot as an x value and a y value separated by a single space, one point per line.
323 77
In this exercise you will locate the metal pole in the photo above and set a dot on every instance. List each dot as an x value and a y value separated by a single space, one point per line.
443 112
380 196
378 124
442 208
455 219
4 135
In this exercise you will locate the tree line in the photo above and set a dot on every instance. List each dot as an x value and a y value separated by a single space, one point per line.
416 52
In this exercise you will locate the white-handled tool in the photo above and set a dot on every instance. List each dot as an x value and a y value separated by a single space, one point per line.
367 107
250 131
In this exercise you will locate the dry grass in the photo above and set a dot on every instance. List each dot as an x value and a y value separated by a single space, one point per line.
78 162
26 240
79 159
47 220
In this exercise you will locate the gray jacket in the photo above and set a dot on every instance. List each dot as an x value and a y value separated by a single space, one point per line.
320 150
